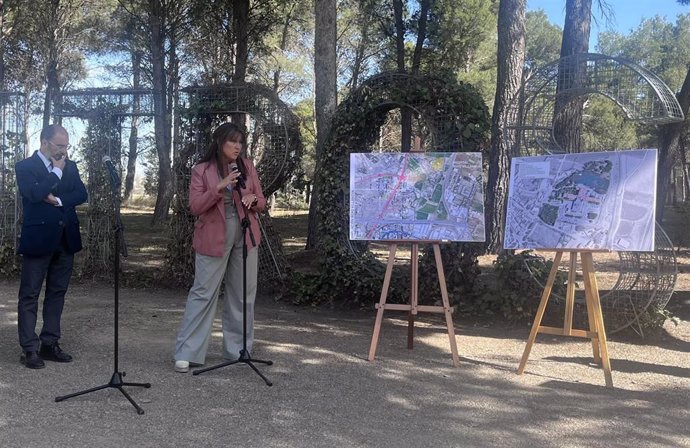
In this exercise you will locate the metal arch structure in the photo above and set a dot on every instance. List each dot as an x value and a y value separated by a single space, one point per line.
12 150
273 142
641 95
104 109
446 115
646 280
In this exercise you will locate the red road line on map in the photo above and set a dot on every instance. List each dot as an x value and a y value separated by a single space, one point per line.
401 178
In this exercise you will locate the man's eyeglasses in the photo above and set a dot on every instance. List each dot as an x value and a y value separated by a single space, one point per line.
60 147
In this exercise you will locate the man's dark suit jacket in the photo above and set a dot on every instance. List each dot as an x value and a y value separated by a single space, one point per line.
44 223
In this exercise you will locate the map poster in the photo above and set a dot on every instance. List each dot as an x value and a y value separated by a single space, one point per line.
595 201
416 196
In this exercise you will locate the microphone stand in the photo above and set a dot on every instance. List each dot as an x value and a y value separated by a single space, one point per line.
120 245
244 358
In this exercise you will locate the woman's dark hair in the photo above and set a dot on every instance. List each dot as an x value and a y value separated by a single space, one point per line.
224 133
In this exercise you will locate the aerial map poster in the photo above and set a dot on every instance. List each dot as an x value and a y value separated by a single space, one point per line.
416 196
596 201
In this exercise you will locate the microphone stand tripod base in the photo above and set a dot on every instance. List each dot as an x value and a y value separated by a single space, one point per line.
244 358
115 382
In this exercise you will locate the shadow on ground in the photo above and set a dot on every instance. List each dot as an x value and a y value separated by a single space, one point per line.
325 393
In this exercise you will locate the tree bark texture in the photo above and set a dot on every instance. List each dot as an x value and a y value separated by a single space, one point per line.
567 126
511 58
325 96
161 119
52 78
240 19
133 151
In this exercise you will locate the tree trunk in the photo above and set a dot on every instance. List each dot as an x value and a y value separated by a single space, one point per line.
405 113
240 19
568 110
161 122
399 35
325 96
52 78
283 45
133 152
2 45
511 58
669 138
424 6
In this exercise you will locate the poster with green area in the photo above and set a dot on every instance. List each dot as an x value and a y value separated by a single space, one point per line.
416 196
588 201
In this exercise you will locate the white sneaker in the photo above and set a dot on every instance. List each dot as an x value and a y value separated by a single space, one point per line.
182 366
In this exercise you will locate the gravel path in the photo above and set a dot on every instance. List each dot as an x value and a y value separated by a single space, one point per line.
326 394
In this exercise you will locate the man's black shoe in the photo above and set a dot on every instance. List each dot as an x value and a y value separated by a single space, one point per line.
32 360
54 353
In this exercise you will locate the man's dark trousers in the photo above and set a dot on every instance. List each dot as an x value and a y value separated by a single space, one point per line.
56 269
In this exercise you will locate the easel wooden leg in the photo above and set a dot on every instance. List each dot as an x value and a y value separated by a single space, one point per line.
540 312
595 303
382 302
570 295
414 295
446 304
592 325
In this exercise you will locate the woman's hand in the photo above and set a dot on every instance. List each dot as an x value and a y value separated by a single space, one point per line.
230 179
249 199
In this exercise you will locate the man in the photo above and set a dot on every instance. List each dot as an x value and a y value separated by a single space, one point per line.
51 189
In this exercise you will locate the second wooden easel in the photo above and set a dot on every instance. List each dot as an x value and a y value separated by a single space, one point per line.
596 332
413 307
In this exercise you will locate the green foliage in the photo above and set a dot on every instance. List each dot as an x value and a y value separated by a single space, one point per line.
9 261
657 45
102 138
461 269
352 274
605 126
542 40
520 280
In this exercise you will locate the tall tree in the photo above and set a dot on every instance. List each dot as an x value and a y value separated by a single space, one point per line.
360 40
123 35
511 57
568 109
157 21
162 21
240 20
325 93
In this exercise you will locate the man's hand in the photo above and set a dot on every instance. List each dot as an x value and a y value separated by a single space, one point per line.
50 199
59 161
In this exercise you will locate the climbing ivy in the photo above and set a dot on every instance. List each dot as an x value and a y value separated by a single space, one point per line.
459 121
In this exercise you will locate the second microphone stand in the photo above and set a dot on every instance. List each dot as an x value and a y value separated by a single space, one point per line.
245 357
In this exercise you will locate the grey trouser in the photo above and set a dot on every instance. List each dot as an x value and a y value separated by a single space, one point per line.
209 272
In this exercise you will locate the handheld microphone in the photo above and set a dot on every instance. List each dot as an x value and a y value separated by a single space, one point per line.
114 177
240 179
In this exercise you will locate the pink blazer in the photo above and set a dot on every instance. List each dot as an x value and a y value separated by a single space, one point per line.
207 204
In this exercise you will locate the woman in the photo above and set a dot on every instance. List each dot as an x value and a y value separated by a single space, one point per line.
224 189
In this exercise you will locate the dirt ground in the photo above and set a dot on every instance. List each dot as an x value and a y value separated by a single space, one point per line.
326 393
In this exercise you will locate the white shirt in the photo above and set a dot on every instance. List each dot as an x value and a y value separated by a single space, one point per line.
52 169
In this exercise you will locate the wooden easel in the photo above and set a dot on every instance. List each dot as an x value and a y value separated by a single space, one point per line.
596 332
413 307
